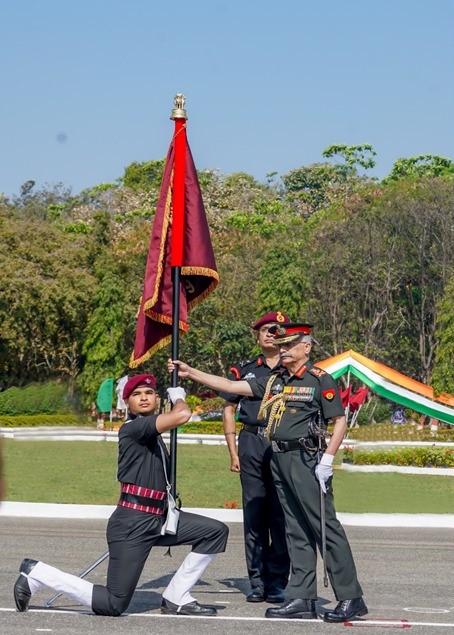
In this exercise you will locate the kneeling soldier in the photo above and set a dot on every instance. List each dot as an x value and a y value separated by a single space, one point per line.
136 524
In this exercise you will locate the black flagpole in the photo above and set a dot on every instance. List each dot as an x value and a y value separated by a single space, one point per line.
174 382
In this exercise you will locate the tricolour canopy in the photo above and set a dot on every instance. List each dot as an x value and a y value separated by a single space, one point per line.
391 384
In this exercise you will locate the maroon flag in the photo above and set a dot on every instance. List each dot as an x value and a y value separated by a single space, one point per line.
345 396
198 276
358 398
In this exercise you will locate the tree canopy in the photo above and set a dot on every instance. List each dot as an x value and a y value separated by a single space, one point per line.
370 263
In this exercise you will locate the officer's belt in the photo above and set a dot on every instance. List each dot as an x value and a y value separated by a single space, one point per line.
254 429
143 499
304 443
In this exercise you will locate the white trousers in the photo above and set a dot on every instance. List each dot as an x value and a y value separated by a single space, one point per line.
188 574
76 588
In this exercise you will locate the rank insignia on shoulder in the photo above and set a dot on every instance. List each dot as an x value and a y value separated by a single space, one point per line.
318 372
329 394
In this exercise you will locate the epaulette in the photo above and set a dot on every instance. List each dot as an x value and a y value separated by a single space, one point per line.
317 372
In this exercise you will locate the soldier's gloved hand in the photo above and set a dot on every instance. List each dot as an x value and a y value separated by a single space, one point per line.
176 393
324 470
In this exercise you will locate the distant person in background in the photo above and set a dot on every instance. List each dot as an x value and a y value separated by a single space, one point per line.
121 405
398 416
267 558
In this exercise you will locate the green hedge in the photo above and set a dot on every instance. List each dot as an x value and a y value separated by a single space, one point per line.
47 398
33 421
205 427
415 457
408 432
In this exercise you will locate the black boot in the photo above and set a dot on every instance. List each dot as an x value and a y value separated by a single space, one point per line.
345 610
256 595
298 609
275 595
192 608
22 592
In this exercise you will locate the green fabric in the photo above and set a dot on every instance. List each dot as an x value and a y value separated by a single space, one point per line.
104 398
396 396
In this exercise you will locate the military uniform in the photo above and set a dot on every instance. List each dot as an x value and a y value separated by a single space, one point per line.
134 528
135 525
266 552
293 402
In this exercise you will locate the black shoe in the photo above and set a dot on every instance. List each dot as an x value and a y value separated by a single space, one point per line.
298 609
345 610
256 595
192 608
275 596
22 592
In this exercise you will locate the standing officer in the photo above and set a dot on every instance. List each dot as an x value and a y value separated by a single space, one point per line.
136 524
293 400
266 552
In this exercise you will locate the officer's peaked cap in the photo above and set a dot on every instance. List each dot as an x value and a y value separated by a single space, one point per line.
290 332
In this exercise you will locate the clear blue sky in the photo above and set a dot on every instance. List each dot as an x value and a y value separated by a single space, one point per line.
88 85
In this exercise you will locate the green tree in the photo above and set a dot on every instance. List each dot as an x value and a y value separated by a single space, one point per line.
353 156
421 166
143 176
46 292
443 373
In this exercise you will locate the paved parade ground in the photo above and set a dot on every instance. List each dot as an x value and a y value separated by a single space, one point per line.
407 574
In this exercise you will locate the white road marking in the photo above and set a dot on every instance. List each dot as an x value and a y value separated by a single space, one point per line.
401 623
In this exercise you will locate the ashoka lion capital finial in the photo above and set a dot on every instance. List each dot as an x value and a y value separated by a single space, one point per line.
179 111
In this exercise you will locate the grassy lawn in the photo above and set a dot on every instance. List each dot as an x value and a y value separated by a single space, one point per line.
84 472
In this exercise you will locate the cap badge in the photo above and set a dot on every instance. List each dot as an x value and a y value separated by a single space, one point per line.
280 330
148 381
280 317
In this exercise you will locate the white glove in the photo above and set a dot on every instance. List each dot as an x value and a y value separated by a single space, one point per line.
324 470
176 393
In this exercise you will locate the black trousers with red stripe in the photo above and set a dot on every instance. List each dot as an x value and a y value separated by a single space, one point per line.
131 534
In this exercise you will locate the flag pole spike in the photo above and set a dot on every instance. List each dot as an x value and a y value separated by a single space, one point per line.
179 112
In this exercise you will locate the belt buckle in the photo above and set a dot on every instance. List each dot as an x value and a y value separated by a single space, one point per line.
261 431
275 447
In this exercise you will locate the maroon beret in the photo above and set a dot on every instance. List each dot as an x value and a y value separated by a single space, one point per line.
138 380
277 318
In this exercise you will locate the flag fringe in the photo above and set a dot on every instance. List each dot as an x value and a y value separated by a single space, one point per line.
134 363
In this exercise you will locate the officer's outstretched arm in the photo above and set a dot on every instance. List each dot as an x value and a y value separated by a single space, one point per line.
212 381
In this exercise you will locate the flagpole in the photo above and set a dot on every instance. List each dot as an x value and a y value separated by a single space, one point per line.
179 117
347 409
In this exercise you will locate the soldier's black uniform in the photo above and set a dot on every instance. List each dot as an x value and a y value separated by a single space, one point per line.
131 531
266 552
309 391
